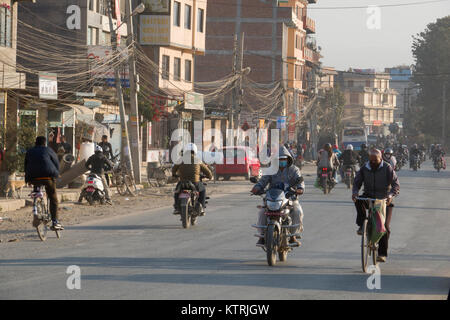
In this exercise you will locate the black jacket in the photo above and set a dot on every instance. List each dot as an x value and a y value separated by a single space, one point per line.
107 149
41 162
378 183
349 157
97 162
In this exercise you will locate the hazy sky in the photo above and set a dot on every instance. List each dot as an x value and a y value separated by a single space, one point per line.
346 40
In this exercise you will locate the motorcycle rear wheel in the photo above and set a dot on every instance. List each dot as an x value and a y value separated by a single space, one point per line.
185 218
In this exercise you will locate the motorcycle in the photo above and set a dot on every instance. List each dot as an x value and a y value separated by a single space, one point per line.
415 163
278 202
439 163
190 207
93 190
349 176
325 181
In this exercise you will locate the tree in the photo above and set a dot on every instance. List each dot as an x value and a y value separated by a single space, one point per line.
431 51
330 112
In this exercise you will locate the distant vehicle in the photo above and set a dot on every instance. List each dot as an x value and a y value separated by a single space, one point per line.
372 139
356 136
244 162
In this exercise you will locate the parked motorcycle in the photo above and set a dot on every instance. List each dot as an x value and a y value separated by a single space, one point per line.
278 202
93 190
190 207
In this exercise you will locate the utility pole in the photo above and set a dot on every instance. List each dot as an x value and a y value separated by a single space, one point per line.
125 154
134 110
444 122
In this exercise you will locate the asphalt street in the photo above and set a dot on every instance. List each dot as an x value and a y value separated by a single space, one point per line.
148 255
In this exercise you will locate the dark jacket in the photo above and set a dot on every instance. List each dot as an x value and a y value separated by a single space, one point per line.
41 162
379 183
97 163
349 157
107 149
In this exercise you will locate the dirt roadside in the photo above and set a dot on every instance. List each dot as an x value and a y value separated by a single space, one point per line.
19 227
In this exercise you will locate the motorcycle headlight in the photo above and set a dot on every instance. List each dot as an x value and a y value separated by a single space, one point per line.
273 205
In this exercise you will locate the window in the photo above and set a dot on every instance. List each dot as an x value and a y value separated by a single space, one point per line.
177 69
200 20
188 70
165 67
5 27
176 13
92 36
91 5
354 98
350 83
187 16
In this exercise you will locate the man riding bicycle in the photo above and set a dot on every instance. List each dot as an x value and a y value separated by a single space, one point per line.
42 169
380 182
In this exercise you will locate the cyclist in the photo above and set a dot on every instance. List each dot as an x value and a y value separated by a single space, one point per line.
42 169
380 182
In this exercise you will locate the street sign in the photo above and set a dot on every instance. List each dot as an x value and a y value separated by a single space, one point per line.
193 101
281 122
48 86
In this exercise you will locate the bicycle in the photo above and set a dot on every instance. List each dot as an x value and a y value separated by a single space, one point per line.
368 248
123 181
40 209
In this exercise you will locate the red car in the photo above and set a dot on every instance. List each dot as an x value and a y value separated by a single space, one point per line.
244 163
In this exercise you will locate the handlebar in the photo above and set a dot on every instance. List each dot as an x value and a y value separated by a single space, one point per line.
369 199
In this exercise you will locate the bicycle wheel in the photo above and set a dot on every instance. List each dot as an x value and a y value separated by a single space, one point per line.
120 185
42 228
130 185
365 246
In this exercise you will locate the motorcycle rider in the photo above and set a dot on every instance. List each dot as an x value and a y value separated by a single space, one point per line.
288 174
106 147
437 154
389 157
41 169
414 152
381 182
363 155
96 164
349 158
327 159
191 172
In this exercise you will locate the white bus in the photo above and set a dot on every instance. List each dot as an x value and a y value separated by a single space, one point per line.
355 136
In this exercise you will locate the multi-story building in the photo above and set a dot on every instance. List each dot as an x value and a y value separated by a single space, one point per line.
172 35
11 81
401 81
370 102
276 34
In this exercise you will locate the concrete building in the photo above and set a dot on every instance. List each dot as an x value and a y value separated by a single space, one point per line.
370 101
172 35
11 81
276 37
407 90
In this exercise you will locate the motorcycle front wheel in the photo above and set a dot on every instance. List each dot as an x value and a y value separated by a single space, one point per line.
271 245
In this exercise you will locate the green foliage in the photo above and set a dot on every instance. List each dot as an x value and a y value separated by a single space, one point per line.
431 50
331 111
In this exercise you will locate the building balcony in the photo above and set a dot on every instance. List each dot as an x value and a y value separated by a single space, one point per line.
309 25
311 56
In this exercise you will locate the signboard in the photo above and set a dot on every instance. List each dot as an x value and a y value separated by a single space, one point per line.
377 123
155 30
92 103
156 6
48 86
193 101
281 122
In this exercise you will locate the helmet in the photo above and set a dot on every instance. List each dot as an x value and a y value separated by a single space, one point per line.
349 147
389 151
190 147
415 145
98 148
328 145
335 146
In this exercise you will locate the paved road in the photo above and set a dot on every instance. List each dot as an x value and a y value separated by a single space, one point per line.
146 255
